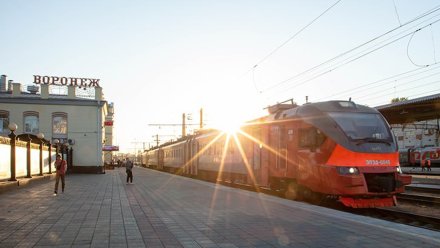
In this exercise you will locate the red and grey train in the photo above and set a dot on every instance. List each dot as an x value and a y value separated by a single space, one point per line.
334 149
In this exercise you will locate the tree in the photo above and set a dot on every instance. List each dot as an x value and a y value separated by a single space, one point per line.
397 99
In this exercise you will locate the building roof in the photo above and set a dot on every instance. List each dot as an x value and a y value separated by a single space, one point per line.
418 109
26 98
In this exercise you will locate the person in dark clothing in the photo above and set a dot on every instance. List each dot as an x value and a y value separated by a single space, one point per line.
129 170
428 163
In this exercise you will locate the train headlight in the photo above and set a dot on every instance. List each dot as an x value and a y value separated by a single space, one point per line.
342 170
399 170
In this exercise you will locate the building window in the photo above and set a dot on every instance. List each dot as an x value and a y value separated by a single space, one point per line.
4 121
59 126
31 122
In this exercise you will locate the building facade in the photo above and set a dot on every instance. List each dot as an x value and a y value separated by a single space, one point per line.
74 122
417 134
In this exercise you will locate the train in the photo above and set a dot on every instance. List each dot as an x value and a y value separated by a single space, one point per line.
414 156
336 150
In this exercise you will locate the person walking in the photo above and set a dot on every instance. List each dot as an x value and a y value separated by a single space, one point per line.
60 165
428 163
129 170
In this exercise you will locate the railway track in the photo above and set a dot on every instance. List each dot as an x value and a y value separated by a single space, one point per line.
419 199
416 198
404 216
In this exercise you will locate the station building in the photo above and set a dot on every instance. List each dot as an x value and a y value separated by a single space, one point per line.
415 122
78 122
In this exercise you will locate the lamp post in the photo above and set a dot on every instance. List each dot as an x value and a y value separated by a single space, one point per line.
66 150
28 158
50 157
56 141
12 127
41 136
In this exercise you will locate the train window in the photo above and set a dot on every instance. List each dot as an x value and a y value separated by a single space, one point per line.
310 138
290 135
282 137
362 125
274 130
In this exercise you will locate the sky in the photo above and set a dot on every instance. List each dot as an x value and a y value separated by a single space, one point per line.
159 59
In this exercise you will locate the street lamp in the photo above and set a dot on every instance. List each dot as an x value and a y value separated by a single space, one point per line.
12 127
41 137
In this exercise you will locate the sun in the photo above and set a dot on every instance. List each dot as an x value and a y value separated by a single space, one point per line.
229 117
228 125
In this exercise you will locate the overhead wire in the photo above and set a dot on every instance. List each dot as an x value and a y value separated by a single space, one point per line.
404 90
289 39
386 80
407 50
397 13
433 45
381 103
296 34
350 59
437 8
424 93
409 82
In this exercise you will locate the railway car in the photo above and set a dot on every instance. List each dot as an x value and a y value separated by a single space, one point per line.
173 157
334 149
413 156
220 158
154 158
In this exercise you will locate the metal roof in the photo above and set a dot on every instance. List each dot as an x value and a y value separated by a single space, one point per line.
418 109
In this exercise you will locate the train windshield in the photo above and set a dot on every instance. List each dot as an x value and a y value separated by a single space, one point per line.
363 127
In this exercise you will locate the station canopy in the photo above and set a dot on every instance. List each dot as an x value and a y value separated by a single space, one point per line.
418 109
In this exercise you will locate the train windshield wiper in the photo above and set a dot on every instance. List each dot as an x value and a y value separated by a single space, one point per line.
371 140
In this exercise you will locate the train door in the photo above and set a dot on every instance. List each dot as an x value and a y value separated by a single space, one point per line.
194 148
260 168
283 151
160 159
291 146
265 156
186 158
256 155
278 144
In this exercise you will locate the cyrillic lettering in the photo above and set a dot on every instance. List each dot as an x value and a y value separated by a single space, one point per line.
37 79
55 79
73 81
94 83
46 80
83 82
64 80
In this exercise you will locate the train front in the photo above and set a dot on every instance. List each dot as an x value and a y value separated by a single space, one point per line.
363 168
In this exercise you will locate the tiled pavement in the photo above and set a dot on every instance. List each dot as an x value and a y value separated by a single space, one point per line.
162 210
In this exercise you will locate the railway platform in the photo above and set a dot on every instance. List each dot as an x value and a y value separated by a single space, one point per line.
164 210
418 171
